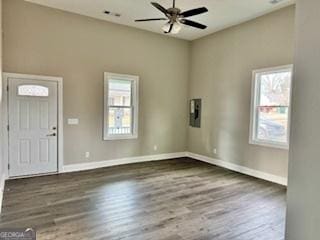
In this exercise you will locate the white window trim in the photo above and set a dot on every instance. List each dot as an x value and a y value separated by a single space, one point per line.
254 100
135 104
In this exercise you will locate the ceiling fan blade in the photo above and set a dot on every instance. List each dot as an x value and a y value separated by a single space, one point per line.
170 29
193 24
159 7
193 12
150 19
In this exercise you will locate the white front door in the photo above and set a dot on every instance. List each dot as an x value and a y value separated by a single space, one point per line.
33 119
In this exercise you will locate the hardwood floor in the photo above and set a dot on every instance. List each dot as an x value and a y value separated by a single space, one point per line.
174 199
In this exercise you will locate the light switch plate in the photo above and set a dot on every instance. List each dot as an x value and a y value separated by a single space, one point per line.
73 121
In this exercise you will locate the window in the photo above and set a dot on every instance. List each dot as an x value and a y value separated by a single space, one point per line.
121 106
270 107
33 91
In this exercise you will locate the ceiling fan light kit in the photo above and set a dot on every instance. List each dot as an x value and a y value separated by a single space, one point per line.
176 18
172 28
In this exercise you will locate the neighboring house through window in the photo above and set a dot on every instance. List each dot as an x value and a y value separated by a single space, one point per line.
270 107
121 106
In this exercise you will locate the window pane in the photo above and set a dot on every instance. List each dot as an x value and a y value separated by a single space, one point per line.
119 93
275 89
33 90
120 121
272 124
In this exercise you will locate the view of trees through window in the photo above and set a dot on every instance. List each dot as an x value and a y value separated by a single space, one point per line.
273 106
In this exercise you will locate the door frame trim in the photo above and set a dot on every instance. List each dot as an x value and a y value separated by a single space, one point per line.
5 120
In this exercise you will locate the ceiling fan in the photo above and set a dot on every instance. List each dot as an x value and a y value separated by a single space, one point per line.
176 18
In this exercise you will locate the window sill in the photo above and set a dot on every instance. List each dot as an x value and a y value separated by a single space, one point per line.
269 144
120 137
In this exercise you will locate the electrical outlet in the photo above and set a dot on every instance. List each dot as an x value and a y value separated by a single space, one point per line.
87 154
155 147
215 151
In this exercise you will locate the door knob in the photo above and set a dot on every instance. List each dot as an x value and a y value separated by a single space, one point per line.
51 135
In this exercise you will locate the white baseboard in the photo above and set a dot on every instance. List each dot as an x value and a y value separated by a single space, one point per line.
237 168
121 161
166 156
2 183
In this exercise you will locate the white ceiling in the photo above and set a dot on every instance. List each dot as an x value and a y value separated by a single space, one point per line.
222 13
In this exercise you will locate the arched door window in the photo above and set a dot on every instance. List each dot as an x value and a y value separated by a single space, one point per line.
33 91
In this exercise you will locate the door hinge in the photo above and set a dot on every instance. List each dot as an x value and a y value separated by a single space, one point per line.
8 128
7 88
8 166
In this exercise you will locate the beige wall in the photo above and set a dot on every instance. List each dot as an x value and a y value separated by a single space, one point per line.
221 69
217 68
303 218
40 40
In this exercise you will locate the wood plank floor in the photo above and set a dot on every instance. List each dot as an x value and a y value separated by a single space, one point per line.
174 199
